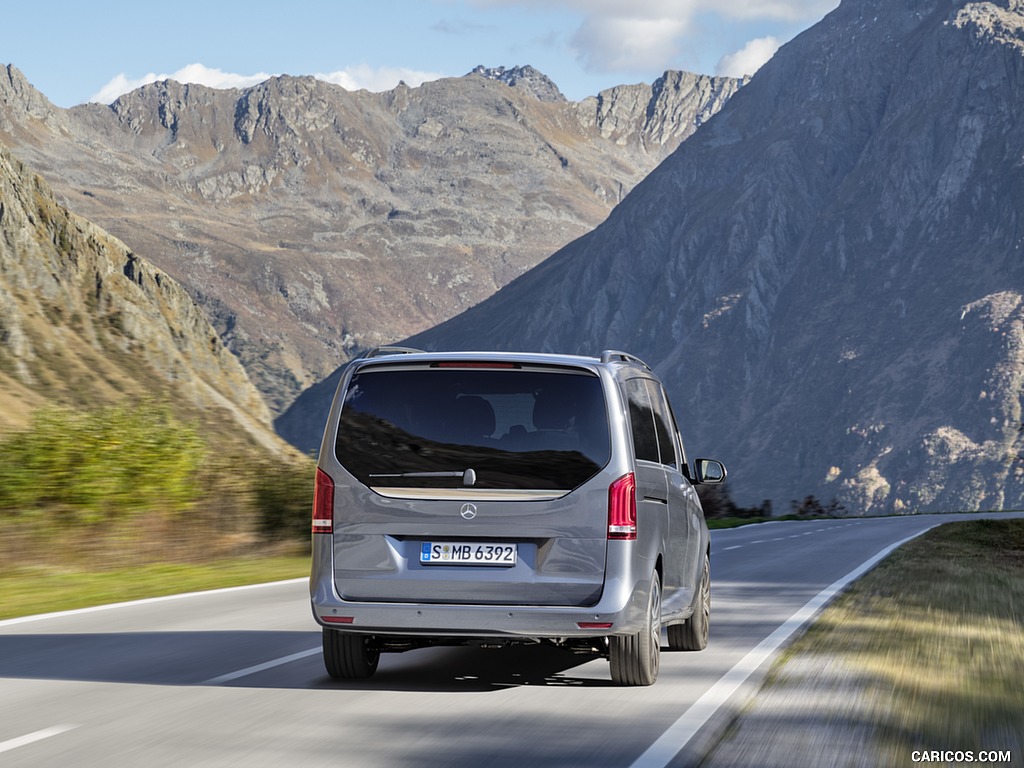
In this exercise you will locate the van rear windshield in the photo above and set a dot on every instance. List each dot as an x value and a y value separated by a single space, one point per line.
485 429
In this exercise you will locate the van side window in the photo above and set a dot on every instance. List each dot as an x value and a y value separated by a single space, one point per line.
641 420
680 446
664 425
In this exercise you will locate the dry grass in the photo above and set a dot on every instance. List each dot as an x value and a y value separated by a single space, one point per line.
935 638
41 589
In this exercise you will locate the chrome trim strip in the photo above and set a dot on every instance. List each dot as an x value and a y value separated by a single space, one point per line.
462 494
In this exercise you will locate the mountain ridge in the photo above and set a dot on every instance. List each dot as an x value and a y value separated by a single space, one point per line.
311 222
827 275
85 321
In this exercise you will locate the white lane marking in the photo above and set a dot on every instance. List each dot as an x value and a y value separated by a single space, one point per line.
734 546
30 738
261 667
144 601
678 735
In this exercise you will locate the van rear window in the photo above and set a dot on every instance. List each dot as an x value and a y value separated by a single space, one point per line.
485 429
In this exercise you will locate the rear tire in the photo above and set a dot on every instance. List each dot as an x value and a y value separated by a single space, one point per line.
635 659
348 656
692 634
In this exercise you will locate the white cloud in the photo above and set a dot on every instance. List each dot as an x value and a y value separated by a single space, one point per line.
749 58
376 78
618 43
193 73
648 34
350 78
780 10
786 10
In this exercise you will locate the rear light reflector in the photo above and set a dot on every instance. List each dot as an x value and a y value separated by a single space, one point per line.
622 508
323 503
594 624
338 619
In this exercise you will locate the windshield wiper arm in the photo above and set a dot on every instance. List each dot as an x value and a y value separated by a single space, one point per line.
468 476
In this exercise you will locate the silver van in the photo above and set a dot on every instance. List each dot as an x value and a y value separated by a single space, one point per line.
492 498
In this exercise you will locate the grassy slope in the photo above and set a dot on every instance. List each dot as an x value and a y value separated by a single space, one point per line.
41 590
925 652
947 621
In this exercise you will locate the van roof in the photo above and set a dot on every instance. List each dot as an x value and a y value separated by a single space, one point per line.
543 358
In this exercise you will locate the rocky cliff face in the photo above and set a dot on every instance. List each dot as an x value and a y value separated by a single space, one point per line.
829 273
539 84
310 221
86 321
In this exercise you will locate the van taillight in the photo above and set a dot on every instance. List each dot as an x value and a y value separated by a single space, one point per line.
622 508
323 503
469 364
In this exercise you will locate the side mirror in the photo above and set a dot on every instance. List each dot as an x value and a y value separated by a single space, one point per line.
709 472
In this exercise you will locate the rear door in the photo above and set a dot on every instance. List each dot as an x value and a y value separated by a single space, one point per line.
473 483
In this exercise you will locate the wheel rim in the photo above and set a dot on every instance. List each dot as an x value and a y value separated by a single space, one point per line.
655 636
705 598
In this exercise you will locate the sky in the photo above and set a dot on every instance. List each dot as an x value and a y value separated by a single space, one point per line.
77 52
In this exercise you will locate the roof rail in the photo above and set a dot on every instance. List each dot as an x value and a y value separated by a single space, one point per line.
613 354
382 351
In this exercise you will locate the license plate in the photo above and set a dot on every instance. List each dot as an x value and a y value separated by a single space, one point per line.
467 553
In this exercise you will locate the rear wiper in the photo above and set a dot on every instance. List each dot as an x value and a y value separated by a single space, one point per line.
468 476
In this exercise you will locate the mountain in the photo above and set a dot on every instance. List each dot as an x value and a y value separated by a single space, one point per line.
85 321
828 274
523 77
310 222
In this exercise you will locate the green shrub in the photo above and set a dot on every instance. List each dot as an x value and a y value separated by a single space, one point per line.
133 483
717 503
811 507
284 498
101 465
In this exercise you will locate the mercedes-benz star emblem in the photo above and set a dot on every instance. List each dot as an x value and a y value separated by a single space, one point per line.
468 511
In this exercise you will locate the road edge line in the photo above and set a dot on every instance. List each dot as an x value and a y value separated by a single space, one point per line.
678 735
143 601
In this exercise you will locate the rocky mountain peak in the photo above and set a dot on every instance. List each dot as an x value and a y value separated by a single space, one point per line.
15 89
533 80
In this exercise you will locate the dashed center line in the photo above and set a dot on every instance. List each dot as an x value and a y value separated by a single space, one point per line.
261 667
781 538
30 738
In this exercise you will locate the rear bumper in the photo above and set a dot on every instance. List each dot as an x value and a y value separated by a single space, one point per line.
623 604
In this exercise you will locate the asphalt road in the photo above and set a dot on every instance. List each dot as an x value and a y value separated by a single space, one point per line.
234 677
